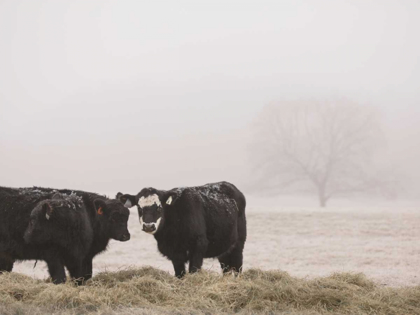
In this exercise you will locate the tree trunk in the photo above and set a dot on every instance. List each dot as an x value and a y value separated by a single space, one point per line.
322 202
322 197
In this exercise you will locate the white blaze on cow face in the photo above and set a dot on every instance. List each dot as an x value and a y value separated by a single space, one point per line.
128 204
149 201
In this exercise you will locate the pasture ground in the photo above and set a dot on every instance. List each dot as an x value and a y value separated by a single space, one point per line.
383 243
338 260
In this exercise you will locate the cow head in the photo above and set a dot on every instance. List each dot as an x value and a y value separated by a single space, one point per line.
113 217
151 204
49 220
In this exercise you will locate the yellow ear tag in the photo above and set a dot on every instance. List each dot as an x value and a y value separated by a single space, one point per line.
100 211
169 201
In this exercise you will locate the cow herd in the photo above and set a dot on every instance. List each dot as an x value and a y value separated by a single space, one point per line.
68 228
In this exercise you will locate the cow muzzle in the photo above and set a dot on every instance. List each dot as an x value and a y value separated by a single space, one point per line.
149 227
125 237
122 237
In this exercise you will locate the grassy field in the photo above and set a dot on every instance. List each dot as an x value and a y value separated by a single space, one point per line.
337 260
152 291
383 243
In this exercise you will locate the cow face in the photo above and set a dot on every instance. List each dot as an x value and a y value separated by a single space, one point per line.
150 212
150 205
113 217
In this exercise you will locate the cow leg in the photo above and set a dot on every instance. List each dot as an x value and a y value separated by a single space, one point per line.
178 260
196 262
236 257
225 263
233 261
87 265
76 270
6 263
57 272
196 255
179 267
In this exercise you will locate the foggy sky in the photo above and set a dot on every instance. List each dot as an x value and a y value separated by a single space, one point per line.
118 95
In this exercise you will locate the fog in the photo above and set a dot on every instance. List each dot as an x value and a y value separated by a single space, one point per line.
111 96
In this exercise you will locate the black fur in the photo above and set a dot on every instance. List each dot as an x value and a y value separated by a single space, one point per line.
196 223
16 206
63 223
15 209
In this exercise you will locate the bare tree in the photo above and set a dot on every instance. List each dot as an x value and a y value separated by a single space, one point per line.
324 146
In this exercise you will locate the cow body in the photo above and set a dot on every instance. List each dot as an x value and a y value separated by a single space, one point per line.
16 205
193 223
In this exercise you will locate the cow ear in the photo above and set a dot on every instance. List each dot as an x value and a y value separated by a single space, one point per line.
127 200
170 198
100 206
128 203
118 196
48 210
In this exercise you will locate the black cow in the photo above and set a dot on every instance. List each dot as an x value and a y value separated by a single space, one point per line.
107 218
193 223
63 224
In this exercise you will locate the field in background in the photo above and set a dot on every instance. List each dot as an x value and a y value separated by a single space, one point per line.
382 242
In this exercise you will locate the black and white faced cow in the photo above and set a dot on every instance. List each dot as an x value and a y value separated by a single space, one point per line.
193 223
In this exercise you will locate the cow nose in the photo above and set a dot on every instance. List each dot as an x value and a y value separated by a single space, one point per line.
126 237
149 227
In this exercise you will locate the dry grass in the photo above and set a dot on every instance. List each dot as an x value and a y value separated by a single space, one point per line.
152 291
